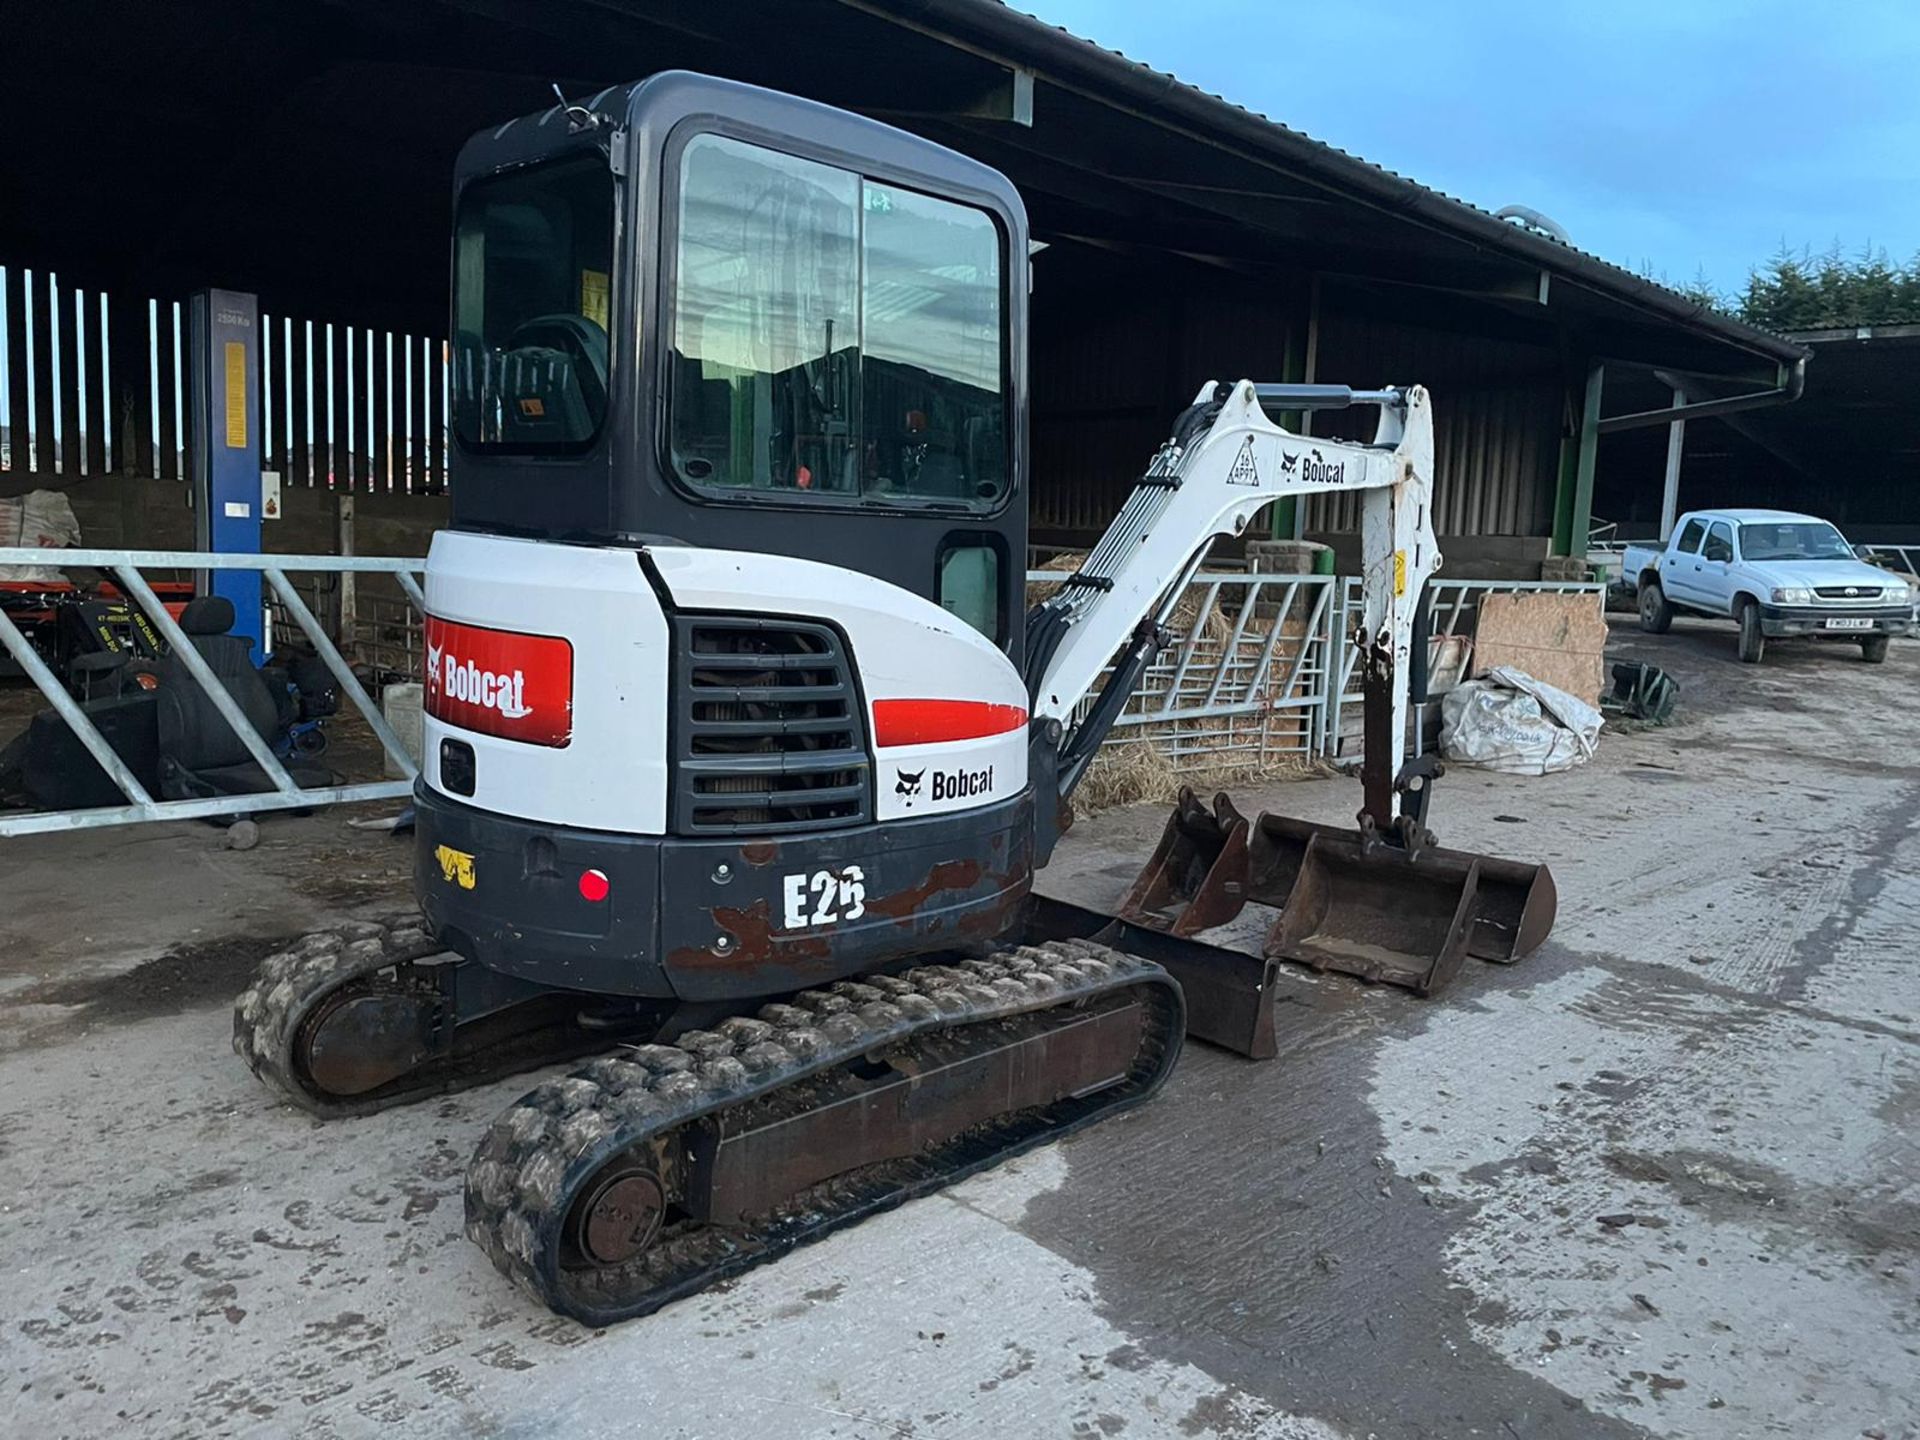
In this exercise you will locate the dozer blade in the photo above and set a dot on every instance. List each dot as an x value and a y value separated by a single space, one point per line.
1229 993
1365 908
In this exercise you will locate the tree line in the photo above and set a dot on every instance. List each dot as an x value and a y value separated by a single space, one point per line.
1801 290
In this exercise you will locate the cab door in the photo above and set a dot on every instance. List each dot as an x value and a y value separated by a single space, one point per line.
1713 570
1680 570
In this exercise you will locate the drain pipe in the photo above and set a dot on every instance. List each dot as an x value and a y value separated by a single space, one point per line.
1793 381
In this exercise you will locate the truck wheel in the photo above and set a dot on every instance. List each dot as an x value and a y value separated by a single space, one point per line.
1656 615
1753 644
1873 649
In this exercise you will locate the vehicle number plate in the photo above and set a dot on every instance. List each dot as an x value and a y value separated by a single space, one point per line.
1849 622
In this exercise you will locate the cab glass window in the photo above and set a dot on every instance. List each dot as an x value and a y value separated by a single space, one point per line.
832 337
1794 540
1719 544
930 297
969 584
532 278
1689 542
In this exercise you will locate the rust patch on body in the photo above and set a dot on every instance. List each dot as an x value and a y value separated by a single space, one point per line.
756 940
947 875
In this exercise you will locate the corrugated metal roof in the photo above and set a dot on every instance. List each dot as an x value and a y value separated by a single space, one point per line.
1025 33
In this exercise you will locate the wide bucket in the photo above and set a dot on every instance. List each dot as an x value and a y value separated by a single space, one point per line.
1516 901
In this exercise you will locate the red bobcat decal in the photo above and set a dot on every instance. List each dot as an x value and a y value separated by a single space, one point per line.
518 687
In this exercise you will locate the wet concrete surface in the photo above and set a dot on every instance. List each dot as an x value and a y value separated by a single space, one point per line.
1660 1179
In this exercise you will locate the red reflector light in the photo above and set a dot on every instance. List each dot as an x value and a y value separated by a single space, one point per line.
594 885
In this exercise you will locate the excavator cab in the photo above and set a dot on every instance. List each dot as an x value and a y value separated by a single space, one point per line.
692 310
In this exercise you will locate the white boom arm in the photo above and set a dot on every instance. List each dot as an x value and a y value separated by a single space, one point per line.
1212 480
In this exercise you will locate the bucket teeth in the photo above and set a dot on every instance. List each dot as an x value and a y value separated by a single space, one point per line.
1344 901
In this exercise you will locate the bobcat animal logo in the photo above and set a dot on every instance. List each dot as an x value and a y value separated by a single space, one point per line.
433 665
907 785
1289 462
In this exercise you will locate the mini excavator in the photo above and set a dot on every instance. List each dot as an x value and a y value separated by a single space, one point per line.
742 747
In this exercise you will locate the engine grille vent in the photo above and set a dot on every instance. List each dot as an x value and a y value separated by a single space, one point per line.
1857 593
770 734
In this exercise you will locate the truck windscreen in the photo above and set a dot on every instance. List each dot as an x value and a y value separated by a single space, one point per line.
1793 540
532 279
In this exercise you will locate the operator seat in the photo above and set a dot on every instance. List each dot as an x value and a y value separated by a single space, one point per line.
199 753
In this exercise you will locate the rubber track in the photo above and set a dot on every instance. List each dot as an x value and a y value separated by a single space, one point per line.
542 1151
268 1014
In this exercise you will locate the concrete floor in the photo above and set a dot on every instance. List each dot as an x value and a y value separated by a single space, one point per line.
1394 1230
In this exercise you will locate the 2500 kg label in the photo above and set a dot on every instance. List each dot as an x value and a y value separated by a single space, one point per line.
824 897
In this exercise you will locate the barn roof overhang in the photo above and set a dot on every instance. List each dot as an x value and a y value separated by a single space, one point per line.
304 151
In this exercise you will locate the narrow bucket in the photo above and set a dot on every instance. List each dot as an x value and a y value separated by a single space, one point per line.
1196 877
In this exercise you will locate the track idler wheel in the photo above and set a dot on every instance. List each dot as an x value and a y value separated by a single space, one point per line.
360 1039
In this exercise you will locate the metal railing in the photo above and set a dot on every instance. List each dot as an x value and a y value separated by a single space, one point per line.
1262 666
1246 677
127 567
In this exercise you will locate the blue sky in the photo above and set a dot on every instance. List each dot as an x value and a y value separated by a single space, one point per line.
1680 134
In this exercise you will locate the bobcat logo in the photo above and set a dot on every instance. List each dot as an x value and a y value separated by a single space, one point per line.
433 664
1289 462
907 785
1322 471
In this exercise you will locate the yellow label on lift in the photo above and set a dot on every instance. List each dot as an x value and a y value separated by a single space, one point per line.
236 395
456 866
593 296
1399 572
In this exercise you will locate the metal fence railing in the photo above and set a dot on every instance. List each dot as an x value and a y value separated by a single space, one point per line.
93 382
130 569
1245 679
1264 665
1261 667
380 632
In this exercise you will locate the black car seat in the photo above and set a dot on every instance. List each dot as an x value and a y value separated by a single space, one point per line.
199 753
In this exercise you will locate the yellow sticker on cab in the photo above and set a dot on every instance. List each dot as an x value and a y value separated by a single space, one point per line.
1399 572
455 865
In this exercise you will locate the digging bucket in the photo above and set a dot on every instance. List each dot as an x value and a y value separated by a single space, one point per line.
1515 901
1377 912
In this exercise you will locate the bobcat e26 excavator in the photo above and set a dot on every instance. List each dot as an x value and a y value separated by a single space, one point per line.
740 753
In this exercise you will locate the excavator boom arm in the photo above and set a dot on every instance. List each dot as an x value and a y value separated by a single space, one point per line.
1226 461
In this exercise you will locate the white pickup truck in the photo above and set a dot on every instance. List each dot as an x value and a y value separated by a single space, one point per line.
1774 572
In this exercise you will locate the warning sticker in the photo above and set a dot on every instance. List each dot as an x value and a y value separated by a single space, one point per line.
593 296
1245 471
236 363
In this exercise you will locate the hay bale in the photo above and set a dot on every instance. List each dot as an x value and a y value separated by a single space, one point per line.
1139 773
1186 614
